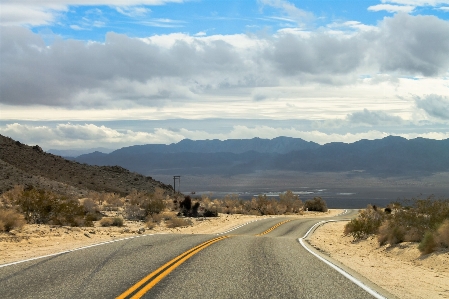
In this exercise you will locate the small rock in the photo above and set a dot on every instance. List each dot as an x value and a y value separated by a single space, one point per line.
87 235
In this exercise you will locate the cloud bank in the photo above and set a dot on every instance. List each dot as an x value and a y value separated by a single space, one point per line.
125 71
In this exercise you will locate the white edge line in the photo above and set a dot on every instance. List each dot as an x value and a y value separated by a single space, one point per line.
103 243
71 250
338 269
107 242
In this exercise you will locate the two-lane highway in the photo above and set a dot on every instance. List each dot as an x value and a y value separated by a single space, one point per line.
260 260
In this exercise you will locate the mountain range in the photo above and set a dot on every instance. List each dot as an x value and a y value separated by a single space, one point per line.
389 156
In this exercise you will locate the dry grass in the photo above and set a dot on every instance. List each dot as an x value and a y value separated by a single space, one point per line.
178 222
111 221
11 220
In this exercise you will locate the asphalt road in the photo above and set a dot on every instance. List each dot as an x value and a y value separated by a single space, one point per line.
243 265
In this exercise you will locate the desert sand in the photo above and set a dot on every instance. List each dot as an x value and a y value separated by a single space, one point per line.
400 269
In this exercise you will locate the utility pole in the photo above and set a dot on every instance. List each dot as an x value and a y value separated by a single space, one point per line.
176 177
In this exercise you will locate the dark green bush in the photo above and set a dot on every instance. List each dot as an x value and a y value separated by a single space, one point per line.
367 223
316 204
428 243
412 219
209 213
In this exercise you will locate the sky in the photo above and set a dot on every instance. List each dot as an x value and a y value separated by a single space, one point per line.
114 73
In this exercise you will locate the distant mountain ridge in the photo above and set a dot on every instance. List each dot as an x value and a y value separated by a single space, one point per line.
279 145
388 156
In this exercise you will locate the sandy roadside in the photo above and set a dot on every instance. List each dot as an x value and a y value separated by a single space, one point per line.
400 269
39 240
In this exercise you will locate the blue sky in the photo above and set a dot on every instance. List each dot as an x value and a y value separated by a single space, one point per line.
111 73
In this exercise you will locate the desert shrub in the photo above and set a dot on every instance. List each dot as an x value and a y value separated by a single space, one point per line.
155 218
366 223
106 221
209 213
391 233
154 205
93 216
412 220
117 221
111 221
316 204
11 219
150 224
195 208
260 204
9 198
443 234
114 201
428 243
291 202
90 206
186 204
134 212
166 216
177 222
46 207
141 204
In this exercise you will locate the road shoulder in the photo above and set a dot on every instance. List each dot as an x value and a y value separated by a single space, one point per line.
400 270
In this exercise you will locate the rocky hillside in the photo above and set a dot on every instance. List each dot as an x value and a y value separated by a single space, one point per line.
30 165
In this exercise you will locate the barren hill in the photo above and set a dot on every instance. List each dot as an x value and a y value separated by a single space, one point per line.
30 165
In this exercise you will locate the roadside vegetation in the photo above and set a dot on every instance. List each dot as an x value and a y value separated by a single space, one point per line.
425 221
22 205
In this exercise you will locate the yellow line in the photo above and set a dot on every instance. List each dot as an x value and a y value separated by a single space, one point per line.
164 270
273 227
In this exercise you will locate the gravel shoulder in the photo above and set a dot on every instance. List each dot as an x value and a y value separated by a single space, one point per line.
400 269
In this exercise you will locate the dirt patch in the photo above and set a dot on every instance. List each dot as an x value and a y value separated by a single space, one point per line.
400 269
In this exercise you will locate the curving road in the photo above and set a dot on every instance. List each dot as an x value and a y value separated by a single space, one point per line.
260 260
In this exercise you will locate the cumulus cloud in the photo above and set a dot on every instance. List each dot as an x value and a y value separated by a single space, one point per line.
434 105
164 69
413 45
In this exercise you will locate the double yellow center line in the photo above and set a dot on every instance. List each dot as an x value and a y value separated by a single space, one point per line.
149 281
273 227
145 284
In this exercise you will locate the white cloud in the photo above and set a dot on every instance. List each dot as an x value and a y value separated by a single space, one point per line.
133 11
406 6
434 105
20 12
392 8
417 2
372 118
288 9
66 136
